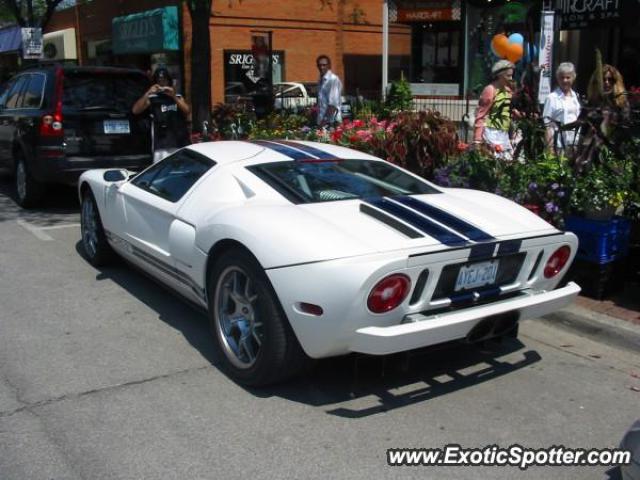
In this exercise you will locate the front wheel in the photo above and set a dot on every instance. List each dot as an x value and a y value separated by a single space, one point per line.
94 241
255 339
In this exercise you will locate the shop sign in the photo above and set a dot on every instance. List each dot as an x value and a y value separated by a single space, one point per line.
31 43
241 73
147 32
436 89
433 12
246 64
546 56
575 14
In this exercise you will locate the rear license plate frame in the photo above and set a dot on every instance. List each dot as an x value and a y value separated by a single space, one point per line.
116 127
477 275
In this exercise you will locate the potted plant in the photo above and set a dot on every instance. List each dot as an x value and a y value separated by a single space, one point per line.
602 189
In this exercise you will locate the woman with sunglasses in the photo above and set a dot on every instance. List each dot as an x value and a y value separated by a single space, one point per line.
613 93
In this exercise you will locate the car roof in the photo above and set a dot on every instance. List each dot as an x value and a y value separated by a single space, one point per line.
83 69
250 152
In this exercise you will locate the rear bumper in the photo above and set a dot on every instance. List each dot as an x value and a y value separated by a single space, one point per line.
49 168
420 330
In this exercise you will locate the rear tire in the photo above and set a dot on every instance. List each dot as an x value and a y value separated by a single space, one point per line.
29 191
256 342
94 241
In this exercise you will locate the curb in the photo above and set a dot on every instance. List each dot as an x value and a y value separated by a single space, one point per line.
596 326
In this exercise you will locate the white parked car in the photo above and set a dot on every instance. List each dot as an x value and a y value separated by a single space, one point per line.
295 96
301 249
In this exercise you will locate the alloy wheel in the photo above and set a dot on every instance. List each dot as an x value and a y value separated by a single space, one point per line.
237 322
89 225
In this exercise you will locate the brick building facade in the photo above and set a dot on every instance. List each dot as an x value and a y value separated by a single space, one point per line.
349 31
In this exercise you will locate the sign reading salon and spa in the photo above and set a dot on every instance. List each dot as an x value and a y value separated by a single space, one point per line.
575 14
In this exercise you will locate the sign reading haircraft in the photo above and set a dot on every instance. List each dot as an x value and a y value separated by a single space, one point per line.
430 12
576 14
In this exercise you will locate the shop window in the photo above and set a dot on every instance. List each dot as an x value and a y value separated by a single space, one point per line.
436 52
240 77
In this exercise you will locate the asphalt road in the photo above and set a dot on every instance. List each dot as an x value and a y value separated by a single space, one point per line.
105 375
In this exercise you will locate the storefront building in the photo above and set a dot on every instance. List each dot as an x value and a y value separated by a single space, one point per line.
609 25
10 50
149 39
442 47
139 34
349 32
451 41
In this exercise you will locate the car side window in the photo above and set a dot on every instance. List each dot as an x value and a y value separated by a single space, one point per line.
5 92
13 97
293 93
33 94
175 175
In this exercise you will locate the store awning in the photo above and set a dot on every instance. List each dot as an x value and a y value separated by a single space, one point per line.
152 31
10 39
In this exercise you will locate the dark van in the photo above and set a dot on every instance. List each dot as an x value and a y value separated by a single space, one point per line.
57 121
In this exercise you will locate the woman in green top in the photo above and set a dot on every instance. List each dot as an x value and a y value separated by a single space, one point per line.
493 116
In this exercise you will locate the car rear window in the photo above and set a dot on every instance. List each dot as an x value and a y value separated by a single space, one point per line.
323 181
97 90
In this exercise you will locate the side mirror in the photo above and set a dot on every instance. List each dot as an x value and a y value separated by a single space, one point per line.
115 175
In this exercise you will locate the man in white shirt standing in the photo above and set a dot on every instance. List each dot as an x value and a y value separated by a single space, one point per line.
329 94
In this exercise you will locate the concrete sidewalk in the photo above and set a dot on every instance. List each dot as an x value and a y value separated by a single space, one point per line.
614 320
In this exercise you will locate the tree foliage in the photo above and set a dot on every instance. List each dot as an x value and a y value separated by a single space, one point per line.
30 13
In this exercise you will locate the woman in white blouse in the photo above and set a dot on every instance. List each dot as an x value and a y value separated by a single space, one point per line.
562 107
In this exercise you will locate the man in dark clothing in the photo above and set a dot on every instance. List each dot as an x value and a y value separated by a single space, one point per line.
169 112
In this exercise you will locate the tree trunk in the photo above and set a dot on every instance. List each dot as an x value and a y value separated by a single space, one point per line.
200 64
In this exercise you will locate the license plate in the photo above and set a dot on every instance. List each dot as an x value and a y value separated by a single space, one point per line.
116 126
477 275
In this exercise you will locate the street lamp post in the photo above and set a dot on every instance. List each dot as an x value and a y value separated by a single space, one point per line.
385 47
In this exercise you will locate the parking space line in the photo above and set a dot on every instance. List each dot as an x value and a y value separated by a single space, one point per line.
55 227
34 230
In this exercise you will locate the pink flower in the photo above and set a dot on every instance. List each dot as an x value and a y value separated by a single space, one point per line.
336 135
364 135
358 123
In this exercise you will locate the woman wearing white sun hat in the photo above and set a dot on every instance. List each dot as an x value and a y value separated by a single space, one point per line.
493 116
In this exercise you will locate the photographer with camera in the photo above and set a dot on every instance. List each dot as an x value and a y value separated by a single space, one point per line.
169 113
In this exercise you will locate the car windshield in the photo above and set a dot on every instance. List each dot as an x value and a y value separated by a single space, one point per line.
315 181
96 91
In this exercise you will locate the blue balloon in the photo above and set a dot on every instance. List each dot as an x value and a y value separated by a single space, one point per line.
516 38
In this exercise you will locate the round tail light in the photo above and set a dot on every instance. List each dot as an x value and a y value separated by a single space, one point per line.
557 261
388 293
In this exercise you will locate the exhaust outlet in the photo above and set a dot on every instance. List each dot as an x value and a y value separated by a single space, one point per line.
494 326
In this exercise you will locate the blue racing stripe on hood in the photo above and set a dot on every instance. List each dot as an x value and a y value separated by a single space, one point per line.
418 221
283 149
447 219
316 152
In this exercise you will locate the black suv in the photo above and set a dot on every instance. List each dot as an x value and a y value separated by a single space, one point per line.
57 121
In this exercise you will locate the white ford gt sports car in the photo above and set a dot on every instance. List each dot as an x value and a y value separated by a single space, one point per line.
303 250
